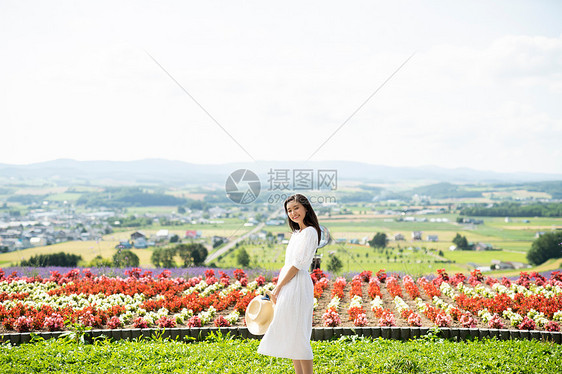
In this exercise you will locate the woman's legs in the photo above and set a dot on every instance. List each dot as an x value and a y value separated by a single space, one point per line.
297 365
305 366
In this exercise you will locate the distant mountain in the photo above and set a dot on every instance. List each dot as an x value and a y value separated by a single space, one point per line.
160 171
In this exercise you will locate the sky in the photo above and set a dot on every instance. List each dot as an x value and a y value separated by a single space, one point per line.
474 84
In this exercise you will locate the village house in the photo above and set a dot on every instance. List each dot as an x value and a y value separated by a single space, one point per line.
416 235
140 243
193 234
162 234
218 212
138 234
215 239
482 247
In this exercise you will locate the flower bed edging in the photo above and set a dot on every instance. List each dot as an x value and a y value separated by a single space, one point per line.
318 333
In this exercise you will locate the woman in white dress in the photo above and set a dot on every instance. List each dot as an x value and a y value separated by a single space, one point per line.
288 335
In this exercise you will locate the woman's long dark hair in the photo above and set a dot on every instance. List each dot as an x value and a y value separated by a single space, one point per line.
310 218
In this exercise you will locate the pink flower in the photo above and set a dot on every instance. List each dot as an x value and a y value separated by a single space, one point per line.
387 319
495 322
220 321
23 324
140 322
443 320
194 321
114 323
260 280
467 320
166 322
54 323
211 280
527 324
331 318
360 320
87 319
414 319
552 326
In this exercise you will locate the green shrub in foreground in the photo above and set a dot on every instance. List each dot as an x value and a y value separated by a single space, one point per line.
220 355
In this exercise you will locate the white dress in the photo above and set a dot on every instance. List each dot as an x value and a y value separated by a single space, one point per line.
288 335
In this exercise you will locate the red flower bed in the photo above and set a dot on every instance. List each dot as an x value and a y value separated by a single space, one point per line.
429 288
393 287
141 300
374 288
411 287
339 285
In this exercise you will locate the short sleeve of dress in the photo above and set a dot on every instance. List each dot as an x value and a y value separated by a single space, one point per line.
305 249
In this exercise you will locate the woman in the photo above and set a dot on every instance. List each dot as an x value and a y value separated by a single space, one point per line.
289 333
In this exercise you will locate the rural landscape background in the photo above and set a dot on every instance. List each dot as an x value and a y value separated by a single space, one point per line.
95 209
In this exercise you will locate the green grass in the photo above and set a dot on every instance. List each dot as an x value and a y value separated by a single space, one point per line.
346 355
355 258
484 257
515 236
378 224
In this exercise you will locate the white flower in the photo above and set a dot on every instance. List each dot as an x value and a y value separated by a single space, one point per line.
334 303
232 317
377 302
356 302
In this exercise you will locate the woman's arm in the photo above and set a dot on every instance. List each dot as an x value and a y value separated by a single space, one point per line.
282 282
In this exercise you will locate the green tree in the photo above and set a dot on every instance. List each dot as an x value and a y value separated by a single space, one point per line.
193 254
174 239
99 261
125 258
379 240
163 257
335 264
545 247
243 258
53 259
460 241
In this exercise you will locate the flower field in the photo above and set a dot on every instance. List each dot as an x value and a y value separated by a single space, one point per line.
142 299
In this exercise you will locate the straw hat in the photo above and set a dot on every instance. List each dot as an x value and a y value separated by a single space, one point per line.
259 314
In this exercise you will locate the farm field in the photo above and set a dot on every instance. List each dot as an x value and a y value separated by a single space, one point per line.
513 237
87 249
106 247
223 355
354 257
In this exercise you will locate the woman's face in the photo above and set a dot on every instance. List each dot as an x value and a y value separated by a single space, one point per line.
296 211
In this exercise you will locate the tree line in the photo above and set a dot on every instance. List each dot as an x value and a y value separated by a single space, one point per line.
193 254
511 209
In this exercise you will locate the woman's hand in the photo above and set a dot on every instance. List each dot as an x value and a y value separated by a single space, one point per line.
275 294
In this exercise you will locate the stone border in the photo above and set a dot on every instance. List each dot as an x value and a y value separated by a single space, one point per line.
318 333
